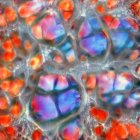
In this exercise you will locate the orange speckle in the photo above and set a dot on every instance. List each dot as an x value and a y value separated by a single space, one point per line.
108 19
5 120
91 82
102 115
121 131
134 55
117 130
27 46
10 14
26 9
16 109
7 45
135 8
100 8
5 85
67 15
127 75
11 131
2 21
111 21
132 130
30 20
66 7
98 130
19 82
99 114
58 59
111 3
37 31
4 73
16 40
114 123
37 135
110 135
3 103
15 87
2 135
8 56
73 135
94 111
36 61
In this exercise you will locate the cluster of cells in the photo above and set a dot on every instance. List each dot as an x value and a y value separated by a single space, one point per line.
69 69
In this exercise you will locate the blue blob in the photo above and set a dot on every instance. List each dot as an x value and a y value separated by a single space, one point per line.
88 26
58 32
117 99
69 101
124 24
94 23
66 46
72 82
135 95
119 39
130 44
43 108
94 45
68 51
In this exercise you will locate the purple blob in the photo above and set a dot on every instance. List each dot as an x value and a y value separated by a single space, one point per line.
94 45
85 29
43 108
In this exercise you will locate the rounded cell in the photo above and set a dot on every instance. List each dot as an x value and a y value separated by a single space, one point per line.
117 89
48 28
92 39
44 108
56 98
71 130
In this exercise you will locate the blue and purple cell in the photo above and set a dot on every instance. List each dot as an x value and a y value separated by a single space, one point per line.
49 29
92 39
56 97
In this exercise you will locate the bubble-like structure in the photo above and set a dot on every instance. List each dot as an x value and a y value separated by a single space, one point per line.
56 98
69 69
